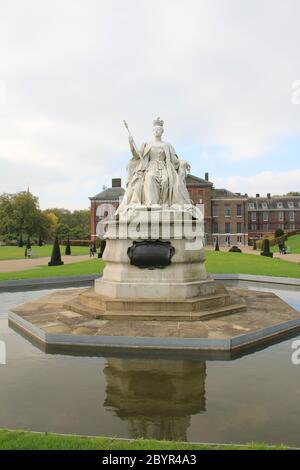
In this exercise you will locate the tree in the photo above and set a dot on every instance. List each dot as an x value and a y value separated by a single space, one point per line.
279 233
7 223
26 213
217 248
55 256
63 231
21 244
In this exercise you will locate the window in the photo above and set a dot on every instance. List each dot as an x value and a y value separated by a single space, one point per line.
291 216
251 206
281 216
291 205
265 227
227 211
239 210
239 227
253 217
215 211
279 205
215 227
239 239
264 205
227 240
265 216
253 227
227 227
292 226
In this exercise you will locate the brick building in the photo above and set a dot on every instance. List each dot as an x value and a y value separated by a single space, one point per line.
110 197
266 214
225 213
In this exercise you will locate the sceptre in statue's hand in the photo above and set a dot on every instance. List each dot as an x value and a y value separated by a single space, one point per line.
132 143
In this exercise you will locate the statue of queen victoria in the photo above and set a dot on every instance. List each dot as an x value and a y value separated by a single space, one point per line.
155 174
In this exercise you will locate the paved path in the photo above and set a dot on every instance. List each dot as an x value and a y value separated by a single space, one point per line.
13 265
293 257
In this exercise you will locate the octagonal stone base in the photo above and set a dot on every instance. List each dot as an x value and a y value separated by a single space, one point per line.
61 319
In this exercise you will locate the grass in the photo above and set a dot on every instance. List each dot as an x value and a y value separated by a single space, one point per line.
217 262
15 252
243 263
93 266
21 440
293 244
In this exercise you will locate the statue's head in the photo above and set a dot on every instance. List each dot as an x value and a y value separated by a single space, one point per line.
158 128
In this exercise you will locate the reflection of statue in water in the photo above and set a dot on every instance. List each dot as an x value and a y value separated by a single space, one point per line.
155 175
156 397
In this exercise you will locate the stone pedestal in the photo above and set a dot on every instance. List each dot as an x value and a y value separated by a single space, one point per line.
185 277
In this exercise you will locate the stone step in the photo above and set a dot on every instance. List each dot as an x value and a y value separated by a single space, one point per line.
220 299
208 314
77 307
176 316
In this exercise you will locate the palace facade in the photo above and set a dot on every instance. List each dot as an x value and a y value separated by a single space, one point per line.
231 218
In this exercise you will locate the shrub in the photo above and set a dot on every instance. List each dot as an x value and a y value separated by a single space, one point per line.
265 248
279 233
217 248
55 256
235 249
68 248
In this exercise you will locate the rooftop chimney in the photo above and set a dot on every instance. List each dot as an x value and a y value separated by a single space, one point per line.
116 183
257 195
206 177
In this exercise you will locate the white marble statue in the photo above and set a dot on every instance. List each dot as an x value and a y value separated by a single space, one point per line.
155 175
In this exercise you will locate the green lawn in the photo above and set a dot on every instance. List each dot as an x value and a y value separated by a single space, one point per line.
293 244
217 262
19 440
15 252
93 266
242 263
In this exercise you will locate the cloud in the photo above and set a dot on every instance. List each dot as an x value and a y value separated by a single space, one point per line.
219 72
265 182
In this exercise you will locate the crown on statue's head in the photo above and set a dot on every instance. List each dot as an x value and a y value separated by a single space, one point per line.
158 122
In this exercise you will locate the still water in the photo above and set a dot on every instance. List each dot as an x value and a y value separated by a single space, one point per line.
253 398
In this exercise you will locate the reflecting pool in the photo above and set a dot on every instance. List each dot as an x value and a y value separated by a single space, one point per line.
252 398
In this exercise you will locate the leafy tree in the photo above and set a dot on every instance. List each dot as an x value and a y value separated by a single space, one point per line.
279 233
26 213
20 244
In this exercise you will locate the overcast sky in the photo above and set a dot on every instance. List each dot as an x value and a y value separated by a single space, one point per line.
219 72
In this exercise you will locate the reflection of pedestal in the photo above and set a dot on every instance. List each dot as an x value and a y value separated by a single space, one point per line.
156 397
